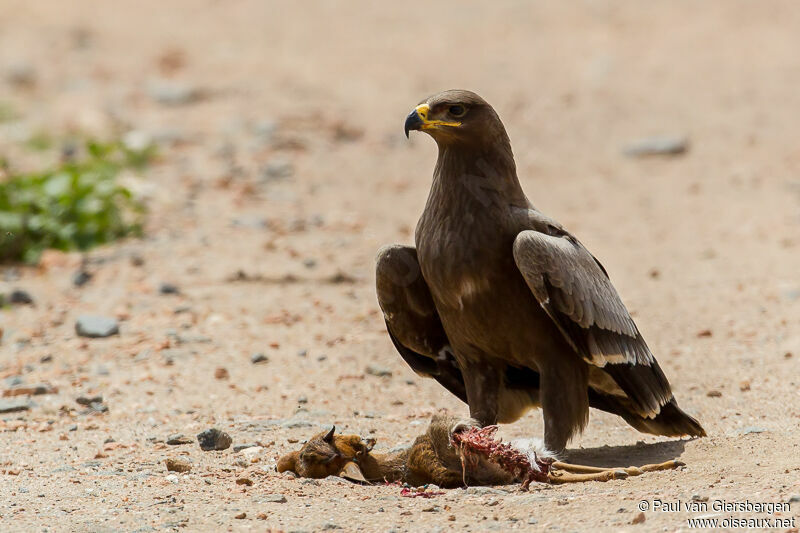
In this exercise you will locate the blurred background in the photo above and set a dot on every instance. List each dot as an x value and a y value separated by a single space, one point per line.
241 162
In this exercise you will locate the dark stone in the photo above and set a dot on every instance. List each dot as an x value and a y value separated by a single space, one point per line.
87 401
81 278
168 288
258 358
214 439
20 297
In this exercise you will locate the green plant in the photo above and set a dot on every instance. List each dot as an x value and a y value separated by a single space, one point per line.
75 206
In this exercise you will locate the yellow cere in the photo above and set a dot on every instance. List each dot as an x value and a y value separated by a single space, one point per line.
423 110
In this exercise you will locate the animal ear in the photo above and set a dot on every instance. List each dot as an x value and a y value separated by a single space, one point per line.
329 435
370 443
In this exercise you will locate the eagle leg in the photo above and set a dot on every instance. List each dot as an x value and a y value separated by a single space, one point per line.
483 381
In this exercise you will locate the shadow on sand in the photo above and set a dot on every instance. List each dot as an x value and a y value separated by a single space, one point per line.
633 455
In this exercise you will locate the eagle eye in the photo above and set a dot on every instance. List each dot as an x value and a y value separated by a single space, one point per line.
457 110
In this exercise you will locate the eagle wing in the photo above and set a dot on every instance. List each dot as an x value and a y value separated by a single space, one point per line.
574 290
412 320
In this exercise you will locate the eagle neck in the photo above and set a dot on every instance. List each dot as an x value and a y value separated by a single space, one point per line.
475 177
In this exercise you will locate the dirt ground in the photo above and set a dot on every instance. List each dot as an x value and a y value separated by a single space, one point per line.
283 168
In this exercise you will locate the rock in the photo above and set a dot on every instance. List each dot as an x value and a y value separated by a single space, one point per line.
89 400
96 326
302 400
14 406
46 359
239 447
752 429
214 439
81 278
172 478
532 521
94 403
30 390
177 464
259 358
240 516
244 481
20 297
98 407
639 519
714 394
168 288
221 373
168 92
277 169
251 454
177 439
380 371
667 145
273 498
794 498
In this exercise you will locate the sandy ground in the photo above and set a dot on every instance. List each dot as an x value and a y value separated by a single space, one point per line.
703 247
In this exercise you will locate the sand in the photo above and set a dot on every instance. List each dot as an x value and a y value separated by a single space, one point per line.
283 168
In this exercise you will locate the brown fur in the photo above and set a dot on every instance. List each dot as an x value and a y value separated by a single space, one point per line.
430 459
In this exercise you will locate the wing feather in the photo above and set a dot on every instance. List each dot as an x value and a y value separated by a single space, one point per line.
574 290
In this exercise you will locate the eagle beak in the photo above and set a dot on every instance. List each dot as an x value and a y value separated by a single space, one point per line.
414 120
418 120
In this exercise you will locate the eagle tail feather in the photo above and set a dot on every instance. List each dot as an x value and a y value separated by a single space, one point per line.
671 421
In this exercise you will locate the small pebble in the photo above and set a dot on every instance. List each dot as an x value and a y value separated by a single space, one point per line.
81 278
240 516
177 464
20 297
380 371
672 145
89 400
168 288
239 447
274 498
14 406
221 373
259 358
96 326
214 439
177 439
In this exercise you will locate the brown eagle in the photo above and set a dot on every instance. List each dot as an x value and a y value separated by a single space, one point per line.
502 305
